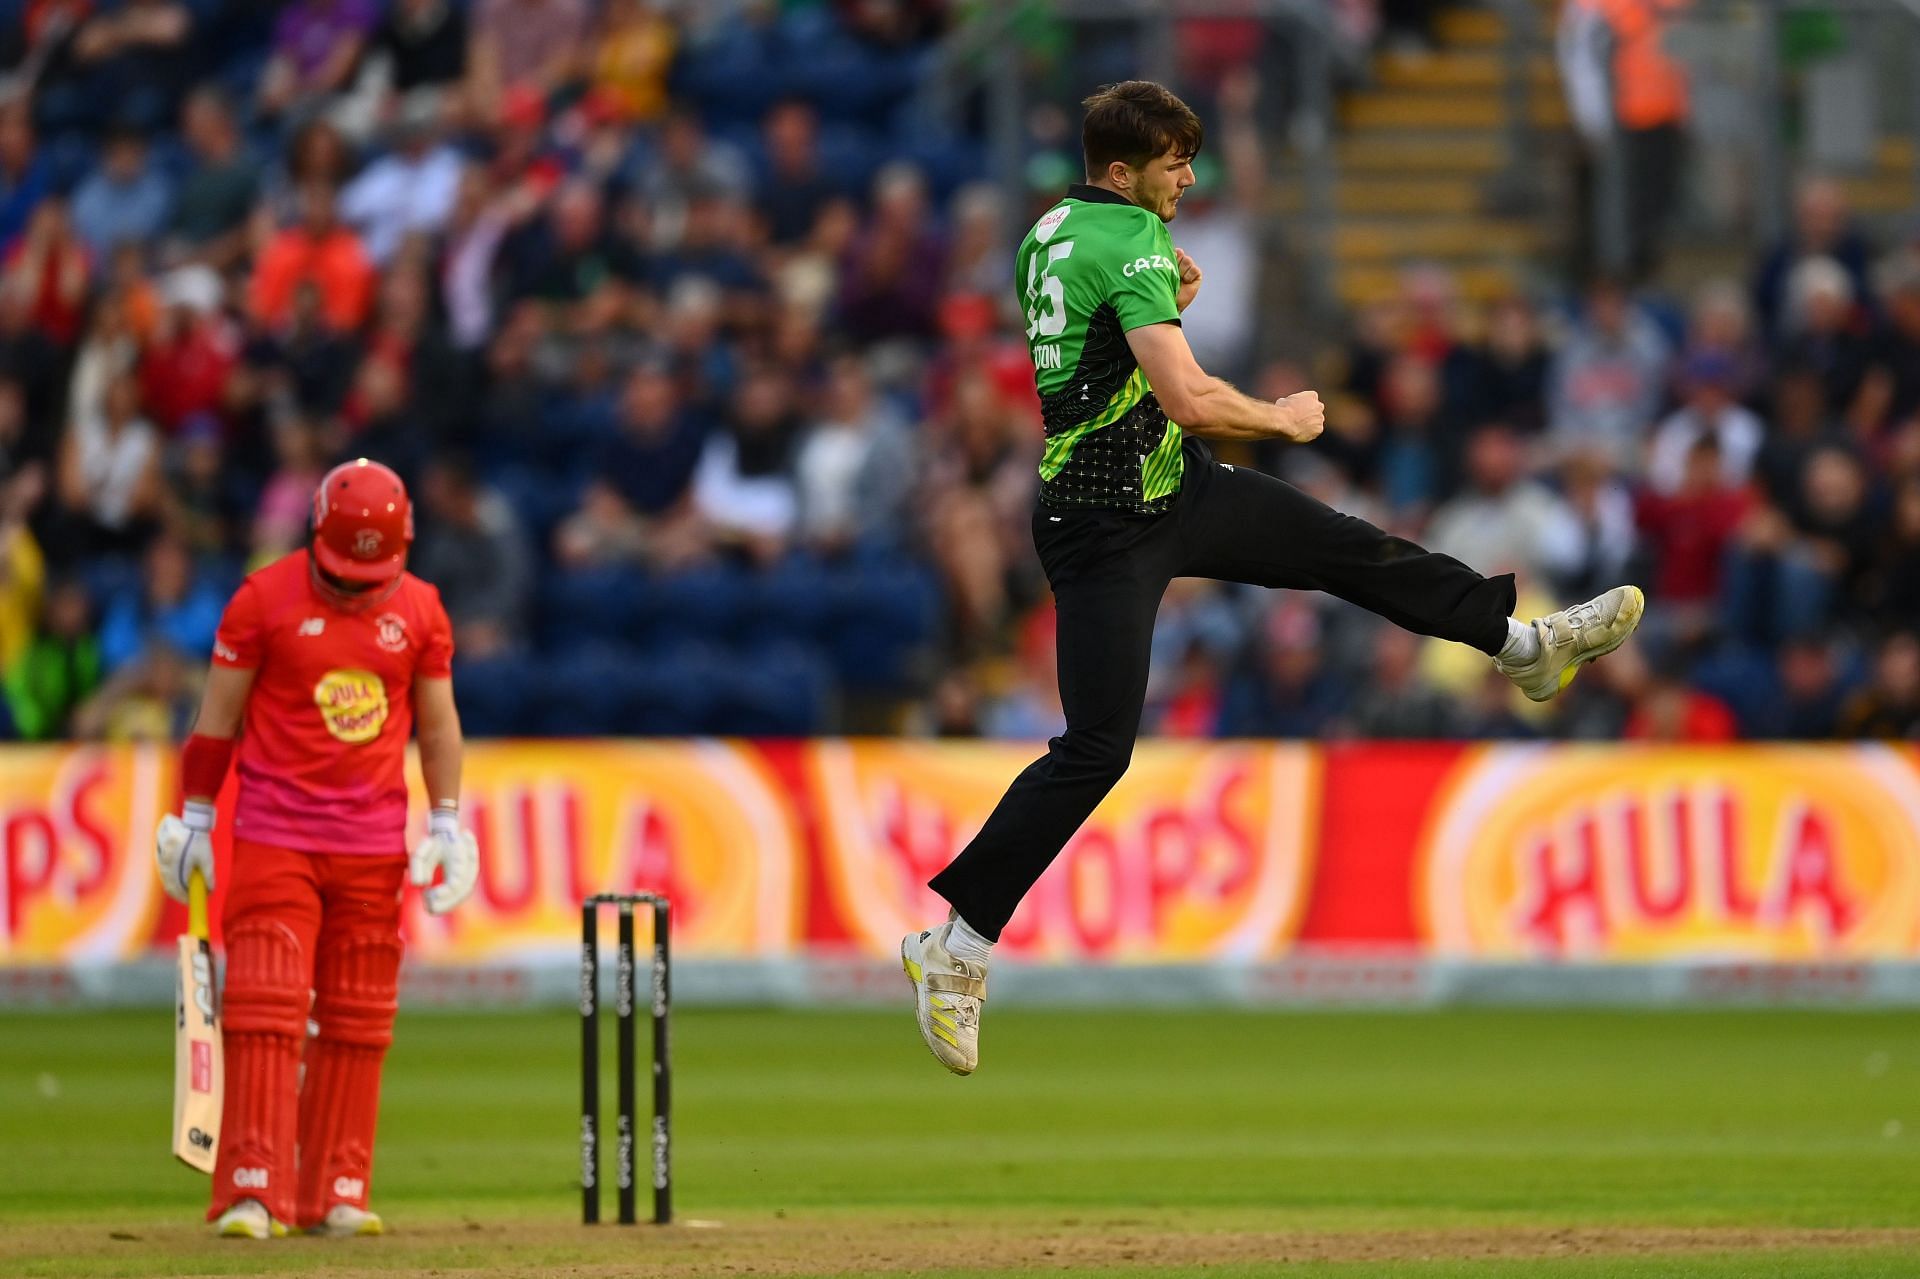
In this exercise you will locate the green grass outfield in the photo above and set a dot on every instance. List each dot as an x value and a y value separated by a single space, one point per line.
1111 1142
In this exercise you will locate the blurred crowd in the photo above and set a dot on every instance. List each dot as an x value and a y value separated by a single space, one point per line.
1749 452
695 342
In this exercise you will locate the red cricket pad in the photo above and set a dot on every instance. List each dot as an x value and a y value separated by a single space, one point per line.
264 1021
362 523
203 766
356 993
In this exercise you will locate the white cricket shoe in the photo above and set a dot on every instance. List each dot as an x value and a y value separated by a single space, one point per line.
947 996
1573 637
344 1221
248 1219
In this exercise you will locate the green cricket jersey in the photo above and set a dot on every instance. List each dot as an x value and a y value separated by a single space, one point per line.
1093 267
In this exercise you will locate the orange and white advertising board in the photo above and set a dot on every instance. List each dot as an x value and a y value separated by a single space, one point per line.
76 852
1201 852
1769 852
705 822
1205 852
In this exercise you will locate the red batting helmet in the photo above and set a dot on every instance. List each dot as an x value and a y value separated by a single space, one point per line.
362 523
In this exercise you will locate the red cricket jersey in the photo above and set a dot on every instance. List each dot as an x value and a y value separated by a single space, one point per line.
323 746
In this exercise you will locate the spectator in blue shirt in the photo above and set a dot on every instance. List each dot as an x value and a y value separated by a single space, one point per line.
124 201
636 508
175 607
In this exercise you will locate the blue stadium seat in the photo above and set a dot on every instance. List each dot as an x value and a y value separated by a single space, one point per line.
852 153
845 81
880 618
733 77
705 604
780 690
787 602
497 694
541 500
571 427
588 692
591 606
677 691
948 162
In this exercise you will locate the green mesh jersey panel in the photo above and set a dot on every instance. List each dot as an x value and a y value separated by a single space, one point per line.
1093 267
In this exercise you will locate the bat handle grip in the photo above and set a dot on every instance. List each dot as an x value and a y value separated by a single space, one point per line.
197 905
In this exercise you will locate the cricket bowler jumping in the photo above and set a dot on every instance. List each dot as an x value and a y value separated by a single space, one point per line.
324 662
1130 498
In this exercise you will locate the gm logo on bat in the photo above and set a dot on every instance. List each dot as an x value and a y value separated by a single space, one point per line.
200 1137
203 986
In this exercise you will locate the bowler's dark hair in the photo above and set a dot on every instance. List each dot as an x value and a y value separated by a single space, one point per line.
1135 121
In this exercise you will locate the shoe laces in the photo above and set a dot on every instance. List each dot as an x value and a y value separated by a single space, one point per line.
965 1009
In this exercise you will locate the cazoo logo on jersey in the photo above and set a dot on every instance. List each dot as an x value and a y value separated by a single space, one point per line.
1155 262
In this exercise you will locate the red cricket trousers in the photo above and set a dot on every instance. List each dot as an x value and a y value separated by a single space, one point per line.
309 936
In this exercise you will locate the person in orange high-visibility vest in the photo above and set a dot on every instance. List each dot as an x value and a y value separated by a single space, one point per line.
1650 110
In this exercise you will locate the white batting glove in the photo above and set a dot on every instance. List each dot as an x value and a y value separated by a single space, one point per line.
453 853
183 845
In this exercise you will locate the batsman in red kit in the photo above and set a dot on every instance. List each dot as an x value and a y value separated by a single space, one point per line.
324 662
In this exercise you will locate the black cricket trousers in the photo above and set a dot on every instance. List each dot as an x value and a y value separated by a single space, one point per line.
1108 571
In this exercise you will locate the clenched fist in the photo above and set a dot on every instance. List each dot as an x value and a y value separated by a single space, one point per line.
1302 416
1189 287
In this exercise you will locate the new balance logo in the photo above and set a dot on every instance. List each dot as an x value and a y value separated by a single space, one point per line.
313 626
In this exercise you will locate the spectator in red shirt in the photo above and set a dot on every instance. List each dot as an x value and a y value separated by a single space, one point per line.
49 268
317 251
185 367
1666 709
1192 707
1690 529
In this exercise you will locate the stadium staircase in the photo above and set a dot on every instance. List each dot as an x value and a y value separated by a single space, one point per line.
1431 170
1425 152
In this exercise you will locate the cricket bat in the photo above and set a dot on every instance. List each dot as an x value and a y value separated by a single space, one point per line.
199 1071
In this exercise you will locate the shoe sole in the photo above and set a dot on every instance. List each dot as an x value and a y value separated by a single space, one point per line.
365 1230
1631 612
914 974
237 1230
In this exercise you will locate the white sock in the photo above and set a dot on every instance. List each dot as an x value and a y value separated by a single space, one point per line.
1523 642
964 943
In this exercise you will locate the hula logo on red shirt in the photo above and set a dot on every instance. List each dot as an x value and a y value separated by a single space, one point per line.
353 703
390 632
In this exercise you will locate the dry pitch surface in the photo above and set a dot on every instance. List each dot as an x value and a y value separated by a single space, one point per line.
1461 1143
